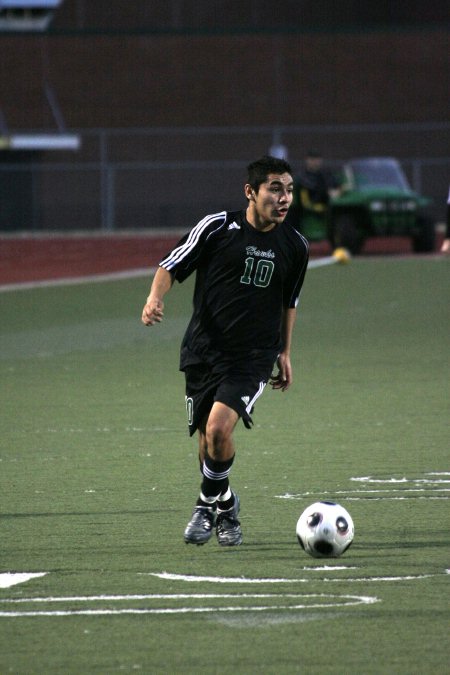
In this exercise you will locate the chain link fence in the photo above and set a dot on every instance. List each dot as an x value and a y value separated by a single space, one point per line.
169 178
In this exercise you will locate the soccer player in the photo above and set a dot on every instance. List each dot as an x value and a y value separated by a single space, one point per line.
250 267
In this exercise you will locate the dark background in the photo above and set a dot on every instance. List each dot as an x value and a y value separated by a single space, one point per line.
172 99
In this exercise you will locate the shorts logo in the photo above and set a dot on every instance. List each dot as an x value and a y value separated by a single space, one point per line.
189 409
246 399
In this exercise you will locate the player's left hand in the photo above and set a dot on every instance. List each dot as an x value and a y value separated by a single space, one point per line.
283 379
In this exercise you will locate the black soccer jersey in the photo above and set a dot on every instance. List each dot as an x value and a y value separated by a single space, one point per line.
244 279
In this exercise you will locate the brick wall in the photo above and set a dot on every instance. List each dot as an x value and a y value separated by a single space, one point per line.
122 81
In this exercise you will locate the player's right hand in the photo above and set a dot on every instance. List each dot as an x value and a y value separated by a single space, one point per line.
153 312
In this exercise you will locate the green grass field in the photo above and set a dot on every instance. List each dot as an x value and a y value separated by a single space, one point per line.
98 478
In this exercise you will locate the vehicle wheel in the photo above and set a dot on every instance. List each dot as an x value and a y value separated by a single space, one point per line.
345 234
424 240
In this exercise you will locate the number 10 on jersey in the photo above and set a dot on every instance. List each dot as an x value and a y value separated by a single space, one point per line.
259 275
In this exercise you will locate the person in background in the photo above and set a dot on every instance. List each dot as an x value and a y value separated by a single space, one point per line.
316 185
445 248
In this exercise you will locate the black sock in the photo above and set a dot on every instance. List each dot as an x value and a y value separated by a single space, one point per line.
225 500
215 480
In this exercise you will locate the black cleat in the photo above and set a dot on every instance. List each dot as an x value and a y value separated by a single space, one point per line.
228 527
199 528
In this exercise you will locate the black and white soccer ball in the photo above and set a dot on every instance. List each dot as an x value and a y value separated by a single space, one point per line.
325 530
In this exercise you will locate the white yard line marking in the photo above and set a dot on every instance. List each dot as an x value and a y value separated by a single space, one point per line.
328 568
161 596
429 481
222 580
321 262
8 579
422 487
247 580
115 276
369 479
301 601
383 492
398 499
370 579
325 601
72 281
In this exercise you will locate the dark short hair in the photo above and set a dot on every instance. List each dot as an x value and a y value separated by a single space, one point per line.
314 154
259 170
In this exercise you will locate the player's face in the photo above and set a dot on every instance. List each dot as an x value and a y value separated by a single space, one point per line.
269 206
314 164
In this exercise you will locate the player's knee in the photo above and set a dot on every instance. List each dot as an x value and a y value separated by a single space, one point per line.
218 436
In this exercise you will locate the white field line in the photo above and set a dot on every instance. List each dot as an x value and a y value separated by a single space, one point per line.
322 262
246 580
161 596
399 499
328 568
369 479
328 601
428 487
8 579
389 490
414 481
347 493
71 281
222 580
411 577
115 276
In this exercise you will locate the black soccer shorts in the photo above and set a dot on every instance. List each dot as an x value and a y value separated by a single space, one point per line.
236 383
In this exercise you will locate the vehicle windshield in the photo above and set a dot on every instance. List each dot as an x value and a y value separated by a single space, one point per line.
377 173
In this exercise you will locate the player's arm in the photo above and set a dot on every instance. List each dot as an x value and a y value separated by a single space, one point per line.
283 379
154 307
179 263
308 204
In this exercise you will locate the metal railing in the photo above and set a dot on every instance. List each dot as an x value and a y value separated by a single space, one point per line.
137 179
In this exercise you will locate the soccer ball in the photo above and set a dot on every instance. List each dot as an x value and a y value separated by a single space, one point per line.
325 530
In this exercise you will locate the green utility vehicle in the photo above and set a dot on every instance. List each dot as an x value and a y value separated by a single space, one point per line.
376 200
